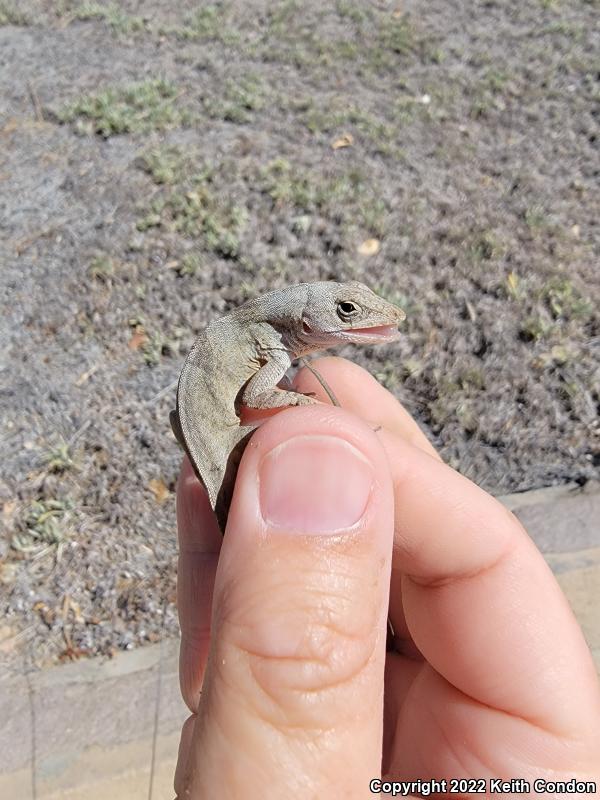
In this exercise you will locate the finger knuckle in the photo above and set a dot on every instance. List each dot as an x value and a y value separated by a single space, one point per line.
301 659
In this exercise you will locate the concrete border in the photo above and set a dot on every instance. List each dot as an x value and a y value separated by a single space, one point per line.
87 728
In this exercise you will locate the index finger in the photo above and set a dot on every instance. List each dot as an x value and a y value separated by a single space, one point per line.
481 603
359 392
199 546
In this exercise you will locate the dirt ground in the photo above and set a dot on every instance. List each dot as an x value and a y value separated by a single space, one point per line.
160 163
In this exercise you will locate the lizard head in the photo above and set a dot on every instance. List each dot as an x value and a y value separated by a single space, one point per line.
348 312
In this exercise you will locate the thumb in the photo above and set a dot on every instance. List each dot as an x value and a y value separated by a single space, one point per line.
292 702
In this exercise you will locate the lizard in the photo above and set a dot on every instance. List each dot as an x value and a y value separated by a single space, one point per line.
240 358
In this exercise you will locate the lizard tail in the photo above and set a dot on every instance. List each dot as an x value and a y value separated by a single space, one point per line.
227 472
218 461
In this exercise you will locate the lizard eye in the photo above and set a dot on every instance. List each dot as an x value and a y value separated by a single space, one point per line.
347 309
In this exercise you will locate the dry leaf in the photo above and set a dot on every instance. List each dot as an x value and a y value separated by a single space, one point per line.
8 509
47 614
369 247
10 126
72 605
513 282
471 311
73 654
8 638
345 140
8 573
138 339
6 631
159 490
86 375
560 354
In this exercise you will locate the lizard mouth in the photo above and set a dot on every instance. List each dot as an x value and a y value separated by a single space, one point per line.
377 331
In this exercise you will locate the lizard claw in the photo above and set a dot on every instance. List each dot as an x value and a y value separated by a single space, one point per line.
307 399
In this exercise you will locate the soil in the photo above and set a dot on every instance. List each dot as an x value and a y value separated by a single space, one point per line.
161 163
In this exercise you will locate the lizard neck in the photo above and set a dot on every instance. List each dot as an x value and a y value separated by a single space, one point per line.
299 344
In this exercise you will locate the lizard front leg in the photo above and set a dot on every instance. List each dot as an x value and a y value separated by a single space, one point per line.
261 390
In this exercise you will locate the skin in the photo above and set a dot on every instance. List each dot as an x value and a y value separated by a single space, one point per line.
284 631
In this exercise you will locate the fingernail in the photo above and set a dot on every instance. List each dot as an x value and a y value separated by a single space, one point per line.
314 484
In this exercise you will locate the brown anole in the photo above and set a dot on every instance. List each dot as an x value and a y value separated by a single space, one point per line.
240 358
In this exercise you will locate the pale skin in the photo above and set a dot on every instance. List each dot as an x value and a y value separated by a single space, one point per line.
490 675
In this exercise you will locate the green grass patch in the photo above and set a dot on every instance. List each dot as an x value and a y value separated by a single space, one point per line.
209 23
373 215
282 17
191 263
238 100
358 13
515 288
45 523
372 42
494 80
564 301
559 303
570 30
153 345
112 15
287 184
535 327
156 346
396 36
535 217
59 459
210 206
165 165
10 14
348 198
138 107
338 116
199 213
102 268
485 93
484 247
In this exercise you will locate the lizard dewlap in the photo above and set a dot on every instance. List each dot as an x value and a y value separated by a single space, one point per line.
240 358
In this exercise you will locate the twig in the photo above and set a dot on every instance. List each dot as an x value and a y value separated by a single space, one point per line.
12 641
79 432
162 393
33 723
37 106
157 704
322 381
27 241
85 376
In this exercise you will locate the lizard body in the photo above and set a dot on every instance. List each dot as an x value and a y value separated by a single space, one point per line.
240 358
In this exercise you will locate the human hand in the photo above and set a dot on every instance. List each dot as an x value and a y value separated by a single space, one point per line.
490 676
